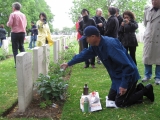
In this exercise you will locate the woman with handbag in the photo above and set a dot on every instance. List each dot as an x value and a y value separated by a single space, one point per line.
127 34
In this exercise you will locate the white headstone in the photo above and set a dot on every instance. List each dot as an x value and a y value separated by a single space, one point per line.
5 47
55 51
59 45
24 77
46 54
38 61
63 43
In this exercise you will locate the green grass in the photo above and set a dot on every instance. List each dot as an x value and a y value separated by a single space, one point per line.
99 80
8 80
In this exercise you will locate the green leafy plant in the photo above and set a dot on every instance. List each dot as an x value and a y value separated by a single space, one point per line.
51 87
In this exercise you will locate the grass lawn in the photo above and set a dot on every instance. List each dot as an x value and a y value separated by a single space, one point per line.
8 80
98 80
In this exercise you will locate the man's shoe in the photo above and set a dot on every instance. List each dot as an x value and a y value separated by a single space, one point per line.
157 81
148 92
145 79
86 66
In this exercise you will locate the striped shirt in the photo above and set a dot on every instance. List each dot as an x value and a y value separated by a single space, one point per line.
17 21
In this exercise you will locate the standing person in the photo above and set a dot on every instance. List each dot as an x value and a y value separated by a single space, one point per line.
127 33
100 22
120 66
79 34
86 22
44 34
2 34
151 50
112 25
17 21
34 33
119 17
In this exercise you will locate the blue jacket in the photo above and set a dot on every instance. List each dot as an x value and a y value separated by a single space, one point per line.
120 66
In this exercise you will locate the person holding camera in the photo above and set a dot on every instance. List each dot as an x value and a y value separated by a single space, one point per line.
127 33
44 35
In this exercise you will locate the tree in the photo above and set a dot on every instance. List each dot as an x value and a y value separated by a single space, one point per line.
136 6
31 8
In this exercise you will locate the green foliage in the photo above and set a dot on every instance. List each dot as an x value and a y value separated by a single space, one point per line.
69 52
44 104
136 6
51 87
31 8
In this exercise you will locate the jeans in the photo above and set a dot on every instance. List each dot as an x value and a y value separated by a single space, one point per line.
33 41
148 71
17 43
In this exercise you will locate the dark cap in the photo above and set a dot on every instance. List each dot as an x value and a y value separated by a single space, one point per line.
89 31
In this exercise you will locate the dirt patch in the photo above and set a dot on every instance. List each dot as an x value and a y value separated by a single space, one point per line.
35 111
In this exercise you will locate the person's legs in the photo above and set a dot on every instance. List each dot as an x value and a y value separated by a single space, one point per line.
1 42
85 45
30 43
132 51
112 94
15 45
21 42
133 96
157 73
148 73
80 45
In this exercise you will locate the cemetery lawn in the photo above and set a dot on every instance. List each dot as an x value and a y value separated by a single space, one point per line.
98 80
8 81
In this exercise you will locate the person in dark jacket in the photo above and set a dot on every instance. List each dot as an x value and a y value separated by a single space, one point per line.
34 33
112 25
120 66
2 34
83 24
119 17
99 20
127 31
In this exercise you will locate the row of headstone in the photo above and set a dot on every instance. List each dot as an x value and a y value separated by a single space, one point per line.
26 76
29 68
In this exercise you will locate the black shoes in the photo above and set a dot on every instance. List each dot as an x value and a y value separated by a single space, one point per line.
86 66
148 92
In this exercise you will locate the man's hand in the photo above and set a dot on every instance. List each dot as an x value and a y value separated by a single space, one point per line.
122 91
100 24
64 66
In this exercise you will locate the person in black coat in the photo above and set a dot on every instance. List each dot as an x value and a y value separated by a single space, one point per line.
128 36
119 17
2 34
82 25
99 20
112 25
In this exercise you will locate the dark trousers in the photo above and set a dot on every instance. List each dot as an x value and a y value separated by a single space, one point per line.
131 97
17 43
80 42
132 52
92 60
